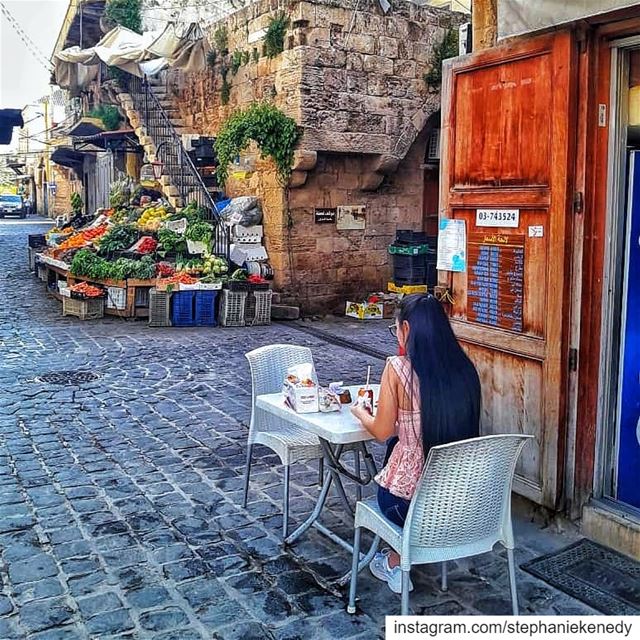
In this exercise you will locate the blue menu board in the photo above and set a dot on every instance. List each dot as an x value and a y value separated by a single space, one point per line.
495 280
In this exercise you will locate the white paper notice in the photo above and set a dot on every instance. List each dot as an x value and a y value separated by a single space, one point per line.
452 246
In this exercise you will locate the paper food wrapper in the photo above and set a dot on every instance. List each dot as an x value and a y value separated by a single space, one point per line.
300 388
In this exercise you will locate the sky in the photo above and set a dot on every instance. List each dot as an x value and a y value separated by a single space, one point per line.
23 79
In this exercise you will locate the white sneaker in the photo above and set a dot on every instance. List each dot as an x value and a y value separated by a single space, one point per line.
380 568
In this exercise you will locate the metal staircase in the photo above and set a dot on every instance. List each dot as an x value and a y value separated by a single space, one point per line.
182 183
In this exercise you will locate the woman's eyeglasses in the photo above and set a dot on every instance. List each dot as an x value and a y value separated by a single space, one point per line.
393 330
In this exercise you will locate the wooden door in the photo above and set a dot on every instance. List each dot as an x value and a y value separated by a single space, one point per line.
508 140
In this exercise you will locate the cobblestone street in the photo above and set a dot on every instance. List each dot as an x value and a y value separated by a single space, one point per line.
120 497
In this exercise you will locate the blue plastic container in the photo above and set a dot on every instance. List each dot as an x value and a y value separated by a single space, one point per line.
205 308
183 309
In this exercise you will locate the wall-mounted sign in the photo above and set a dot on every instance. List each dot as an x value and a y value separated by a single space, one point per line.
326 215
351 217
452 246
495 285
536 231
498 218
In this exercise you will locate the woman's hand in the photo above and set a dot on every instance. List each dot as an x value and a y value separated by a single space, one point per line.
361 413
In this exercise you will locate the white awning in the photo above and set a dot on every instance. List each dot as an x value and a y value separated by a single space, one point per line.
516 17
138 54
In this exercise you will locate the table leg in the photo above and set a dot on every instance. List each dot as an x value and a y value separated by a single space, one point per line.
322 498
356 468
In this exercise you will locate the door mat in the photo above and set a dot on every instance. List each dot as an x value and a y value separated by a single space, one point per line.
600 577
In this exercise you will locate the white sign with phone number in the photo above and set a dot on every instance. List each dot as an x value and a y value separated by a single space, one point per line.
497 218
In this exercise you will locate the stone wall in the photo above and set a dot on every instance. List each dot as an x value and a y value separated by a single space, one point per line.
331 266
66 184
354 83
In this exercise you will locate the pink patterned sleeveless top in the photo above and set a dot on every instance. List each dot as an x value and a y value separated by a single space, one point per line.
401 474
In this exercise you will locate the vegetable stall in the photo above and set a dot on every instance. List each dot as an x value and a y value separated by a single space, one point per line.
141 258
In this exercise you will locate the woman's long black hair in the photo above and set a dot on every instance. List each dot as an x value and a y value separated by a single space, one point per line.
450 397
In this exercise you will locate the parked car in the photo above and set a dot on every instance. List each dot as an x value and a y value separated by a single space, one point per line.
11 205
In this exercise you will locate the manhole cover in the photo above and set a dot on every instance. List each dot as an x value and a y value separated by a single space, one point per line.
68 377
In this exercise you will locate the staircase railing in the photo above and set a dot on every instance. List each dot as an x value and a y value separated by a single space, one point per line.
177 163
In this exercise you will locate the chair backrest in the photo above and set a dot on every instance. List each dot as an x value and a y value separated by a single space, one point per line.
268 369
462 504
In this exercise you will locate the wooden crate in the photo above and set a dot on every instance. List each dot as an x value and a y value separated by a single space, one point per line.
90 309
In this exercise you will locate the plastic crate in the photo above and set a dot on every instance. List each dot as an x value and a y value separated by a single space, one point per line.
159 308
37 240
258 308
237 285
232 308
205 309
182 309
90 309
409 250
116 298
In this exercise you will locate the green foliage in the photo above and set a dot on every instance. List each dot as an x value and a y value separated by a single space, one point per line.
274 38
255 54
117 74
125 13
275 134
236 61
221 41
246 56
109 115
76 203
212 56
448 48
225 91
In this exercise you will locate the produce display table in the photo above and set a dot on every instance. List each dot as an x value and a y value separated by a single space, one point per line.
127 298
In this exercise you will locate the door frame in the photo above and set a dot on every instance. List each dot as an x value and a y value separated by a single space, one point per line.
607 433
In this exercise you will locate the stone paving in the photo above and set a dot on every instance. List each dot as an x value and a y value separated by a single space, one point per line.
120 498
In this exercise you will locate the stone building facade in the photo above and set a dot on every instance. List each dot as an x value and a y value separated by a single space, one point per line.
354 83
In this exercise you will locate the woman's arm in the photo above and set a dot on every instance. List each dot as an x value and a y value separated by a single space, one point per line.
383 426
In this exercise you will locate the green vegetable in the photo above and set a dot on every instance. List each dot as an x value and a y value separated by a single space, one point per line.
239 275
90 265
118 238
170 242
199 231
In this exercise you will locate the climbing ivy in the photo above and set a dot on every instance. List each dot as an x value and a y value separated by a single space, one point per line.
125 13
109 115
225 90
236 62
274 38
221 41
275 134
448 48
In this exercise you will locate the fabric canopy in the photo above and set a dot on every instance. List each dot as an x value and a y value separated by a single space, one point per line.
137 54
516 17
9 118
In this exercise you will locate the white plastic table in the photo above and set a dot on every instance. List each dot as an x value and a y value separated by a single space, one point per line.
335 430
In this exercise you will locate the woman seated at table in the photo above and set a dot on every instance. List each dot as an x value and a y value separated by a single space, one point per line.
428 397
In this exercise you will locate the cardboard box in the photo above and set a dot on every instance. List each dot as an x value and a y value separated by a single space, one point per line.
364 310
301 399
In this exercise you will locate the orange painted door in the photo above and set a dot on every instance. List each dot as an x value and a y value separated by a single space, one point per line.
508 140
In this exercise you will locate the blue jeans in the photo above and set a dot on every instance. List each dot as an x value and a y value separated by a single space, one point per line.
392 507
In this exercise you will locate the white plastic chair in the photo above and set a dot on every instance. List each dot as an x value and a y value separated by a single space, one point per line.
291 443
461 508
